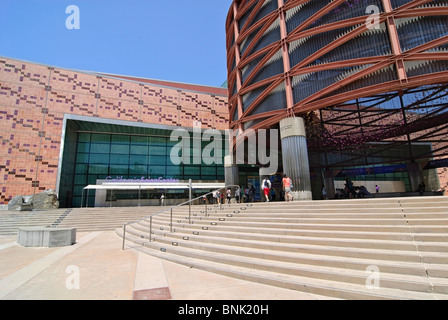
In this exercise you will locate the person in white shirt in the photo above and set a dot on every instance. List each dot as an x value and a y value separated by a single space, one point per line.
266 186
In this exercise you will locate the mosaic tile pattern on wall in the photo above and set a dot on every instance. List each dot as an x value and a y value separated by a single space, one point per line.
34 99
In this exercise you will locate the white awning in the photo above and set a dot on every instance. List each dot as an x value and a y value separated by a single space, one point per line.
154 186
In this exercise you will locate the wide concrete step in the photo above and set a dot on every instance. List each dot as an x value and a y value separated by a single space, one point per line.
311 245
276 235
295 220
294 254
409 243
326 247
297 228
86 219
278 232
330 282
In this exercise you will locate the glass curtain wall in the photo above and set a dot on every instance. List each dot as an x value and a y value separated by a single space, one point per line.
127 156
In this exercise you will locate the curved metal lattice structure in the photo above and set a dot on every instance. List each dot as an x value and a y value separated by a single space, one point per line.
361 71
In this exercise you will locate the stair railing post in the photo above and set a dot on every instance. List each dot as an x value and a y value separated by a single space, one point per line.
150 229
124 237
189 202
171 224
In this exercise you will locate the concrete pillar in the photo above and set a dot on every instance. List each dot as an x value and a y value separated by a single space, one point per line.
295 156
415 175
329 183
231 171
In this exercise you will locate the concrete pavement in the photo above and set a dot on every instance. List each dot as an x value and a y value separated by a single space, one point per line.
96 268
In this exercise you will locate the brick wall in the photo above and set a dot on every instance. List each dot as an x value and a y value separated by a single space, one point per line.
34 99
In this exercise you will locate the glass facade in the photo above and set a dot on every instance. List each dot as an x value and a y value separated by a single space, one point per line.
372 90
100 155
335 38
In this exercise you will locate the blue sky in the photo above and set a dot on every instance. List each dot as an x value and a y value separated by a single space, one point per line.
176 40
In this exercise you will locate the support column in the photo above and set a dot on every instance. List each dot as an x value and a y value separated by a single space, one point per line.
295 156
329 183
231 171
415 175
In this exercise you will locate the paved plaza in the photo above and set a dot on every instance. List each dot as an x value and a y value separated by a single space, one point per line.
103 271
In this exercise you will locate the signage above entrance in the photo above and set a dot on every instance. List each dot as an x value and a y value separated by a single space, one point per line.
141 180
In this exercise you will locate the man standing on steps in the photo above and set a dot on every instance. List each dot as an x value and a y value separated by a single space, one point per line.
266 186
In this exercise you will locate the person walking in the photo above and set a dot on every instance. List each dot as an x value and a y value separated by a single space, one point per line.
238 194
229 195
287 184
266 186
162 200
252 193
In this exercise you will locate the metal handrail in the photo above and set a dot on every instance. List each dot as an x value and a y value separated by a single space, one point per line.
189 202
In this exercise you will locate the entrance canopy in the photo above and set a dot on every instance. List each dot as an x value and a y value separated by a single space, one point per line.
139 187
155 186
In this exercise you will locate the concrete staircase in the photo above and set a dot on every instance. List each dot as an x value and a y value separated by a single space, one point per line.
347 249
85 220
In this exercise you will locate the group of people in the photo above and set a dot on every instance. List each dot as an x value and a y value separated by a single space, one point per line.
247 194
287 188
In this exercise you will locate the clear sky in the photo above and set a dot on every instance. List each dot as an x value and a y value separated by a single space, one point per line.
174 40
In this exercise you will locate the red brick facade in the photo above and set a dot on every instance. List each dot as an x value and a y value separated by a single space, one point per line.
34 99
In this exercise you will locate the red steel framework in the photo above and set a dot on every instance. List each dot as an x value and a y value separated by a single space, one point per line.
236 34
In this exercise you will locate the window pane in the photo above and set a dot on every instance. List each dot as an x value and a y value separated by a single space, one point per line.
174 171
118 169
138 160
105 138
119 149
138 170
99 169
82 158
157 141
157 160
100 148
116 139
83 147
119 159
84 137
156 171
81 168
190 170
99 159
81 179
136 140
153 150
143 150
208 171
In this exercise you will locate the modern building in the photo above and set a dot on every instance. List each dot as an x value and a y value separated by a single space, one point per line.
356 89
67 130
362 85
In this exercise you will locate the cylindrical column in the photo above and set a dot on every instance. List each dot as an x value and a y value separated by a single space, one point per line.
329 183
415 175
295 156
231 171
